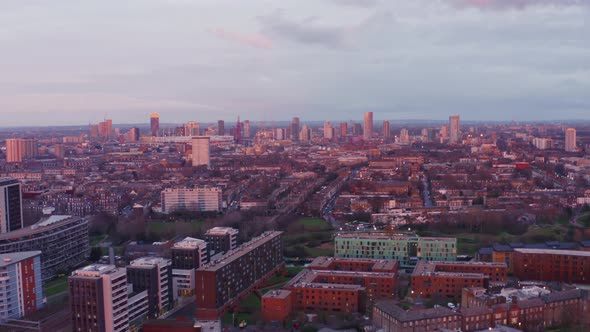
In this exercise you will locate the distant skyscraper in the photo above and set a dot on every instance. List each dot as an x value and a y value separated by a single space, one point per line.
247 129
280 134
343 129
200 153
93 130
570 140
295 129
327 130
404 137
238 133
192 128
386 130
155 124
11 210
368 129
357 129
454 129
19 149
59 151
305 134
220 127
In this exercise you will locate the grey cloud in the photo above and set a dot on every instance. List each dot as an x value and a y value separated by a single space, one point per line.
312 31
358 3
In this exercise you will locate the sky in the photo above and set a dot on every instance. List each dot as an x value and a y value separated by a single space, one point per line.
73 62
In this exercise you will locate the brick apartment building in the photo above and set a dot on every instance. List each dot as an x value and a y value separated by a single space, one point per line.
446 280
569 266
337 285
233 276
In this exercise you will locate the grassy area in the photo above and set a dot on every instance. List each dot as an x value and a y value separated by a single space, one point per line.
314 224
317 252
160 227
96 239
252 301
294 270
56 286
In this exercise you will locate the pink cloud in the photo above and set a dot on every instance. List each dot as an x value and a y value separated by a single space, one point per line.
254 40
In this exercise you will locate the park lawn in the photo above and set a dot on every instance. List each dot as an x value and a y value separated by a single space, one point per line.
314 224
294 270
317 252
56 286
252 301
96 239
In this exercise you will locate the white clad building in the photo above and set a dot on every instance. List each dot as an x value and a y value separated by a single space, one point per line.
191 199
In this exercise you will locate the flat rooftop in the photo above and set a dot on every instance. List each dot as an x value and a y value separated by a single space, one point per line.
15 257
553 252
385 236
376 264
189 243
240 251
277 294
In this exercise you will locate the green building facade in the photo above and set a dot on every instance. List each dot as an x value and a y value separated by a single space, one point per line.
406 249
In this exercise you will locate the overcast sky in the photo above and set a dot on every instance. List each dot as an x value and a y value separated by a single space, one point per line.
73 62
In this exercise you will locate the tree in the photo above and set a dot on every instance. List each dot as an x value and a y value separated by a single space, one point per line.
95 254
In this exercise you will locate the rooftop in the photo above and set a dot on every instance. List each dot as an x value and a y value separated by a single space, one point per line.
221 231
376 264
189 243
240 251
149 262
385 236
277 294
399 314
554 252
15 257
95 270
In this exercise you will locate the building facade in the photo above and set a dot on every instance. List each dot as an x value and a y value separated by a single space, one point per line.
368 126
200 150
155 124
153 274
569 266
20 149
454 129
63 241
234 275
21 285
196 199
406 249
570 140
11 210
221 239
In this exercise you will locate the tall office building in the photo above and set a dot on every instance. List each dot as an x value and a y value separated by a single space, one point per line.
454 129
357 129
386 129
132 135
295 132
280 133
221 128
192 128
238 132
155 124
200 150
570 140
247 128
21 289
343 129
11 210
105 128
20 149
153 274
368 129
98 299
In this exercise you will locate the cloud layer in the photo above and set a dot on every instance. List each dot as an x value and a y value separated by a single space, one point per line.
72 62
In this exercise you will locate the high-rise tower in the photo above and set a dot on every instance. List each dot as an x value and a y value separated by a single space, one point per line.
11 211
386 130
220 127
368 129
155 124
570 140
454 129
200 153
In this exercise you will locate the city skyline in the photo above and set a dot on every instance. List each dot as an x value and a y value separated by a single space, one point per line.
193 60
